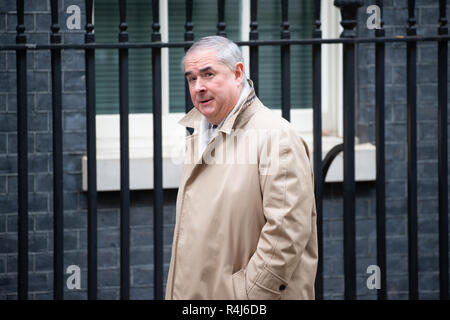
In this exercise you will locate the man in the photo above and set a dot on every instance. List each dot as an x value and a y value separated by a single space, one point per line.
245 226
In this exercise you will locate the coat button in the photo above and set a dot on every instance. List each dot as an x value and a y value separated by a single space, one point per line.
282 287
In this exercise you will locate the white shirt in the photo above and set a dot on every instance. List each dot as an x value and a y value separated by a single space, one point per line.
207 132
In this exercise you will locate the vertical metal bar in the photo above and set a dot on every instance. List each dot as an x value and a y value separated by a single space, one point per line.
188 36
91 155
442 152
285 65
380 156
221 23
349 10
254 50
411 101
22 153
157 157
58 207
317 141
124 160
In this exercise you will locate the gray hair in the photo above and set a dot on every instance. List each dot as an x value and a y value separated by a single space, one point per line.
227 51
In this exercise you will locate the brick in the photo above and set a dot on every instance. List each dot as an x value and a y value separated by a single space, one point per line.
427 131
2 184
43 102
396 245
142 276
39 81
38 121
427 206
75 220
333 229
2 58
75 295
395 151
74 141
11 23
70 201
9 243
8 283
12 143
334 285
396 264
9 122
2 143
395 189
427 188
2 227
108 294
74 101
109 218
8 204
44 142
427 243
44 261
74 121
333 266
43 21
428 263
427 170
395 132
42 60
72 163
12 220
109 278
72 182
141 256
141 236
73 60
426 93
73 37
73 81
77 258
145 293
7 5
141 216
108 258
395 170
426 151
365 228
38 202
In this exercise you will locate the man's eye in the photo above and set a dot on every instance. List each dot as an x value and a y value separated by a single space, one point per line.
209 74
190 80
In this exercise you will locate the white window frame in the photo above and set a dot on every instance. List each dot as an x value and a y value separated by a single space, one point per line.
141 125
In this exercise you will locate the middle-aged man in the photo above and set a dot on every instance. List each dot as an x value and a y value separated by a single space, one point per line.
245 226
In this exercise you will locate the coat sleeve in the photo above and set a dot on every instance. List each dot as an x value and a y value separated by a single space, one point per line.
286 183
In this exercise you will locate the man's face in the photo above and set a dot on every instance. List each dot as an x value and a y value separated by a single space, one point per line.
213 86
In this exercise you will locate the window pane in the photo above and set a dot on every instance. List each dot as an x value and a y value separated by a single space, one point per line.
269 26
139 20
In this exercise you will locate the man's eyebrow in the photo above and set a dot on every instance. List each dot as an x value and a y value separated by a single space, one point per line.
207 68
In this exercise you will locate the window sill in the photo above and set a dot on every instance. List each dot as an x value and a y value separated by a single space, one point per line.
141 161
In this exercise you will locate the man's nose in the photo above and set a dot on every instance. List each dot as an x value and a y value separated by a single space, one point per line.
199 85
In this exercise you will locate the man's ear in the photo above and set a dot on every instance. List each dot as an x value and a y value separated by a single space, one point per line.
239 72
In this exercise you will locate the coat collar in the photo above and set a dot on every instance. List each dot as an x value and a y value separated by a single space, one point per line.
192 118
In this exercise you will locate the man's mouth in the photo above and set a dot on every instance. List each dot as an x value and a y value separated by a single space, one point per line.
204 101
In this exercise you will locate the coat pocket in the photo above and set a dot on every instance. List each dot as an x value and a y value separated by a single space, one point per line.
238 279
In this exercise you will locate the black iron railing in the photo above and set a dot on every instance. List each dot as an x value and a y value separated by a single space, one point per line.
349 40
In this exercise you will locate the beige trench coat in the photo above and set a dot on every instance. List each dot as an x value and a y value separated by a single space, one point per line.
245 229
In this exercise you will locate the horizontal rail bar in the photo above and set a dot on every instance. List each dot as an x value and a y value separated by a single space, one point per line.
143 45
